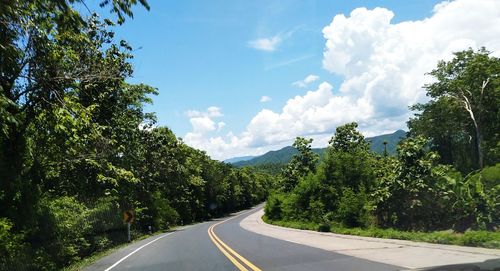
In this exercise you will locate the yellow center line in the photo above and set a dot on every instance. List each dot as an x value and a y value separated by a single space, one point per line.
231 258
227 251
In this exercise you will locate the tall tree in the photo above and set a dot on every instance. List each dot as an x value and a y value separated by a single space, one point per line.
301 164
471 82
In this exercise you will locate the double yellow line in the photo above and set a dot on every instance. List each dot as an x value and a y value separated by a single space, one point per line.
239 261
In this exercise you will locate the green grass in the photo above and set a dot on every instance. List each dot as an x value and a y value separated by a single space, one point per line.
485 239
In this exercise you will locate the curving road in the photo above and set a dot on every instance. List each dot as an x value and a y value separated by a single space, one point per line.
223 245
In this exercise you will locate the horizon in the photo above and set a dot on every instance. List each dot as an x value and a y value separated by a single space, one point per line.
289 146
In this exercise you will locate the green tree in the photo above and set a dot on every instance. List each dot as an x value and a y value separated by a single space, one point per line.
470 82
301 164
415 193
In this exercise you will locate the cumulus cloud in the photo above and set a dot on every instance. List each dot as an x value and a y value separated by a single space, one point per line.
303 83
383 65
202 121
316 113
265 99
202 124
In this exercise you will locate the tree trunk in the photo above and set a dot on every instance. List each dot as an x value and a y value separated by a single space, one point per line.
478 145
468 107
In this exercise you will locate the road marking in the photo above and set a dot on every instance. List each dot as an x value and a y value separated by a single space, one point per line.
227 251
137 249
231 258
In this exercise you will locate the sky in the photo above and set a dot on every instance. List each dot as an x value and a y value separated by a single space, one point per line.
239 78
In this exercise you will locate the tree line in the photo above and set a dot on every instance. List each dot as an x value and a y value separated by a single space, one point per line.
77 147
446 174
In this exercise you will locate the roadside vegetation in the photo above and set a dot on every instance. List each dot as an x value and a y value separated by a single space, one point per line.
77 148
443 185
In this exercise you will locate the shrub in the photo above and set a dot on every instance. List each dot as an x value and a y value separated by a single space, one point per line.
272 208
165 214
12 247
63 225
351 211
324 227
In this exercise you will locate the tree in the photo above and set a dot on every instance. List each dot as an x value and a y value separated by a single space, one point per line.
414 192
471 81
301 164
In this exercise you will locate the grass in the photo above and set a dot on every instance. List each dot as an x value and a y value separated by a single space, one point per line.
486 239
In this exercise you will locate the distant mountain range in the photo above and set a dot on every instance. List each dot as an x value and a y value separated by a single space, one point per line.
239 159
285 154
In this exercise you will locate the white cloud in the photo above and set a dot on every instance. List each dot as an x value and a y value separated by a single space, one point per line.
316 113
265 99
270 44
202 122
303 83
220 125
383 65
212 112
266 44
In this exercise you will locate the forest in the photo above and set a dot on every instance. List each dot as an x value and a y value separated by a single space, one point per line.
77 148
442 186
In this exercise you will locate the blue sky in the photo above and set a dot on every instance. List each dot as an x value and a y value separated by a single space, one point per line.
203 54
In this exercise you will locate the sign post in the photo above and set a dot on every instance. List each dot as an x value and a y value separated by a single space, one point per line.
128 217
128 232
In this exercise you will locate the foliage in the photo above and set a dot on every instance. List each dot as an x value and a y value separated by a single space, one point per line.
477 202
356 191
301 164
12 246
418 196
77 147
462 117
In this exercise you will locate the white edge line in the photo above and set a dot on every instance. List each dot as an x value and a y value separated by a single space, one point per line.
137 249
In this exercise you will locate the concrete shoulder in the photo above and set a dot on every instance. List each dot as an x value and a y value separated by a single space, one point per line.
389 251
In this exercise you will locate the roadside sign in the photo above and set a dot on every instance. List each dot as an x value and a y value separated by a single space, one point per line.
128 216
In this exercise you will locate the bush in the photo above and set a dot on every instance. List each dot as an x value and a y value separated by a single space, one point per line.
478 201
324 227
106 225
166 216
12 247
351 211
272 209
63 225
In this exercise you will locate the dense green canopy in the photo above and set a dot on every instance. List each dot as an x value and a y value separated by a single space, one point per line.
77 148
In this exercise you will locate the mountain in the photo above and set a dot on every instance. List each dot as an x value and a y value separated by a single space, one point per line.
285 154
281 156
377 142
239 159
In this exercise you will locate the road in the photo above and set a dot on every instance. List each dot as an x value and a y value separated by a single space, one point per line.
223 245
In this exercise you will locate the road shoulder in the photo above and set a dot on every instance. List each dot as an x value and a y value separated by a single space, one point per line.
390 251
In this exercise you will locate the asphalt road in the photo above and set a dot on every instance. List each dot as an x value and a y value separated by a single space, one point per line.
230 247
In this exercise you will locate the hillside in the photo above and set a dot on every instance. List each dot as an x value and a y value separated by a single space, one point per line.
238 159
285 154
